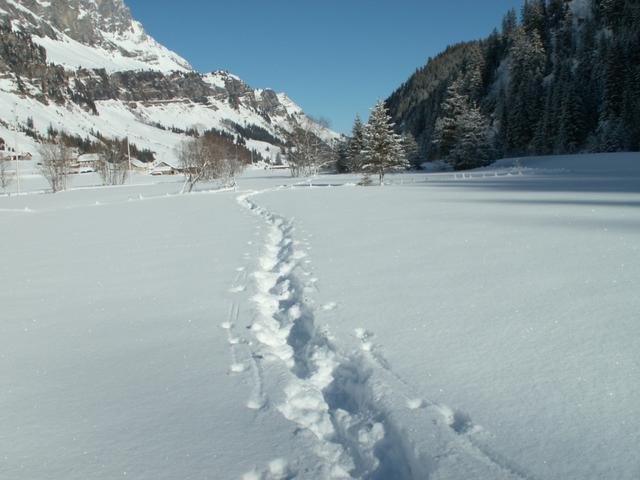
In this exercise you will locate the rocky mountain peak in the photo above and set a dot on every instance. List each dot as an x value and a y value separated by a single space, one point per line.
81 20
84 20
102 32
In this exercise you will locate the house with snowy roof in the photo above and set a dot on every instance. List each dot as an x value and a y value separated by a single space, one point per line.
165 168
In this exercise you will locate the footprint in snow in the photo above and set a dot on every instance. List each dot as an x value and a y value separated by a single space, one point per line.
237 368
460 422
364 336
255 405
277 469
327 307
416 403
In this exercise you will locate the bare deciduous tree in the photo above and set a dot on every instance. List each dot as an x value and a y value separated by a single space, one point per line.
6 176
55 163
196 161
207 158
231 167
308 153
113 166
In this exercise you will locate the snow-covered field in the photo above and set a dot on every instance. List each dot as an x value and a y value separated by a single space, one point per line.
441 327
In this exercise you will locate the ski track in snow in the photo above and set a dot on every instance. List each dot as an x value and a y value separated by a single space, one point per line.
458 421
232 339
257 399
335 398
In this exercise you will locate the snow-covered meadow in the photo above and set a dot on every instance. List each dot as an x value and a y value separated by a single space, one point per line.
445 326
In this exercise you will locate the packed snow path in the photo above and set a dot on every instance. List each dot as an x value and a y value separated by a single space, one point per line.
346 401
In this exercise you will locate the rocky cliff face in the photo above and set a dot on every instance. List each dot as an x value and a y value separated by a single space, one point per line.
82 20
90 33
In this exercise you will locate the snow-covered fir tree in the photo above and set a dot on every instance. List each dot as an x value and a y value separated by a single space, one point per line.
472 147
383 151
526 94
453 107
340 153
356 146
462 133
411 150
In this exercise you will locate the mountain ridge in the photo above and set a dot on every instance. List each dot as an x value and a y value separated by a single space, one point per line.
73 79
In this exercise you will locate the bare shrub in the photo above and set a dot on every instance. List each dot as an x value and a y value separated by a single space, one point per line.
55 163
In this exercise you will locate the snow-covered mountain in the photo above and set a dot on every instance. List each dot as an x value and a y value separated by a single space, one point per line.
88 68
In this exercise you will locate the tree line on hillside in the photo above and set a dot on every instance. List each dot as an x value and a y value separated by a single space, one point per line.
563 78
58 154
209 156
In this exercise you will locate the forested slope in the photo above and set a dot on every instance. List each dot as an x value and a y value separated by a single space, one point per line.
563 77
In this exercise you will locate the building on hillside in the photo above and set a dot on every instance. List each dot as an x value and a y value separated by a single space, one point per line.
88 162
10 155
164 168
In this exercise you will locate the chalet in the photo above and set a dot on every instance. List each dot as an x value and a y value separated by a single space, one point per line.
164 168
88 162
8 155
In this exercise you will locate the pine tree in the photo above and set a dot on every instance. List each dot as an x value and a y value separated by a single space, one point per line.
526 93
474 76
509 26
612 136
614 80
411 150
571 115
534 18
356 146
383 150
340 149
445 134
462 132
472 147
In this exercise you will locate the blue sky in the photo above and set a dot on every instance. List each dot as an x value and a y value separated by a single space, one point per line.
334 58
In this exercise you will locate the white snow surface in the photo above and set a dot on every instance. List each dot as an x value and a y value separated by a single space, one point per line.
148 55
442 327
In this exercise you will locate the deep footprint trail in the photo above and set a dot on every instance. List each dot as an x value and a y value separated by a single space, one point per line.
327 394
345 403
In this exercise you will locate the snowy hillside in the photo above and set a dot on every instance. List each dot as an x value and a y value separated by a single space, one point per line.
149 124
128 84
447 326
